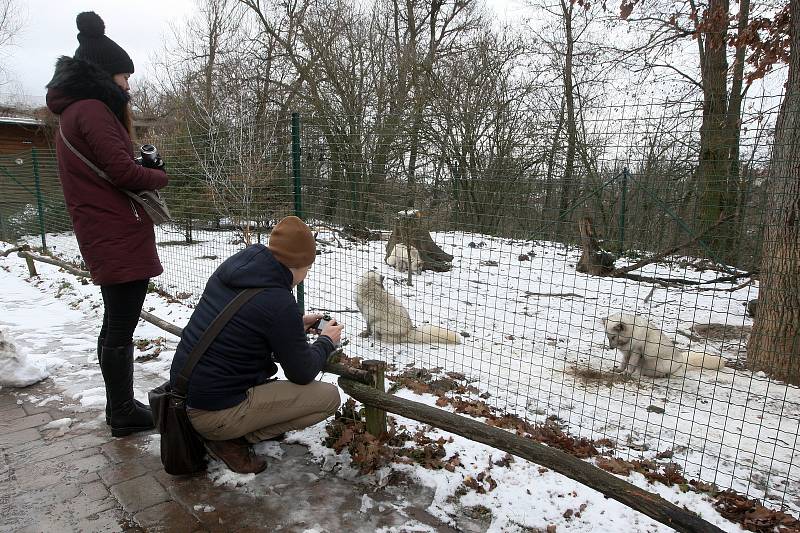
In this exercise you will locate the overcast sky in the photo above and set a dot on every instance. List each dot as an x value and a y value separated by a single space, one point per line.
50 31
139 27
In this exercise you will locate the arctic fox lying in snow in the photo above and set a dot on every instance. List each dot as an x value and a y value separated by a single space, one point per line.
644 346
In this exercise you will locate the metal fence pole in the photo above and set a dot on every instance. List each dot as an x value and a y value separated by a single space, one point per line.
298 191
39 200
3 235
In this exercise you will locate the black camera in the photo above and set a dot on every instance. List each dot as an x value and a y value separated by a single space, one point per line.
321 323
149 157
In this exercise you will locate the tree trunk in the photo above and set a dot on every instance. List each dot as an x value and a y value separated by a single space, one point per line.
572 127
408 227
733 128
714 164
594 260
774 345
187 231
547 208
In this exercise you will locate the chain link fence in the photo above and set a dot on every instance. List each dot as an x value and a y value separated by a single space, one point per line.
506 197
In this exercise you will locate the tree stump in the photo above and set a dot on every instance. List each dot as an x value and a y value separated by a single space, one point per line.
409 229
594 260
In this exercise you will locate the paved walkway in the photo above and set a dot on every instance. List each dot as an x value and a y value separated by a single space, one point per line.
56 477
86 480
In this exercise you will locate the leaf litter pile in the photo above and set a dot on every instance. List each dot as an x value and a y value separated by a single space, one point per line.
347 431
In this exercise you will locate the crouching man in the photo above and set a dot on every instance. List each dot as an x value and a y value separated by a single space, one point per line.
232 401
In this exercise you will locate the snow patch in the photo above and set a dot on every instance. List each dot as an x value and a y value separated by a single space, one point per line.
62 425
17 369
220 476
204 508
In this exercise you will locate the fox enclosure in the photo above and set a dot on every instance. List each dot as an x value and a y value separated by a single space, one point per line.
500 149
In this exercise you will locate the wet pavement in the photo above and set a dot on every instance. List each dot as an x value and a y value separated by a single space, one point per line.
80 478
61 470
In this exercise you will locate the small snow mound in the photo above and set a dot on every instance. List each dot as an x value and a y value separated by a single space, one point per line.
270 449
204 508
93 397
153 445
221 476
16 369
62 425
58 424
366 504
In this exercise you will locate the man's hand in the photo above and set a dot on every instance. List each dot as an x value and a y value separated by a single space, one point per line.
310 320
333 331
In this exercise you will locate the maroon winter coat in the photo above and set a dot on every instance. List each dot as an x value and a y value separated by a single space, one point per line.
115 235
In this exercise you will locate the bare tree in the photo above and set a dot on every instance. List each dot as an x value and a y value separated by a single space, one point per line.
720 36
363 72
11 23
570 45
481 125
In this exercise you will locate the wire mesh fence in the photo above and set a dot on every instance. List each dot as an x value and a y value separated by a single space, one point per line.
31 201
538 224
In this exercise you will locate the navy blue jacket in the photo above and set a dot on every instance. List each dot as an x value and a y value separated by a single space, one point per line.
266 330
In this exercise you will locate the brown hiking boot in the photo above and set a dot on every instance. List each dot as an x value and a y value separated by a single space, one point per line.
237 455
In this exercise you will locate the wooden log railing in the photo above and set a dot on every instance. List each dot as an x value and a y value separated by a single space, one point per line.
607 484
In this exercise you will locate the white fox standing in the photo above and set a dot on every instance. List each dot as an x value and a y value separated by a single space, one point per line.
399 258
644 346
388 320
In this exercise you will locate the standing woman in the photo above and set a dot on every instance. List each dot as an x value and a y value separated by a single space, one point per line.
89 92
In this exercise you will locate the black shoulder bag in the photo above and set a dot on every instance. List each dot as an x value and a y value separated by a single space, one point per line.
182 448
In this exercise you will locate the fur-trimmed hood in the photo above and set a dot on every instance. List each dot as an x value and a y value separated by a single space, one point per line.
76 80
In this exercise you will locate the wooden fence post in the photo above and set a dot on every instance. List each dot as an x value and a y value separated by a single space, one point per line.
30 263
376 418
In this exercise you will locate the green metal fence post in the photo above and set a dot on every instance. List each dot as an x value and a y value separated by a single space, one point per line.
298 191
622 208
39 200
3 235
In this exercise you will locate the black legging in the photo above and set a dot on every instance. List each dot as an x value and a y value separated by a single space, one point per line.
123 303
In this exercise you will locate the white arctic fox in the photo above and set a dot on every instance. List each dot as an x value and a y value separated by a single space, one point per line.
399 258
388 320
644 346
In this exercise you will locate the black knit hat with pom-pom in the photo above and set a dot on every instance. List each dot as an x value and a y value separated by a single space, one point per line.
96 48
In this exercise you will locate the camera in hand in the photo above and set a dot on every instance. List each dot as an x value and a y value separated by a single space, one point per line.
149 157
322 322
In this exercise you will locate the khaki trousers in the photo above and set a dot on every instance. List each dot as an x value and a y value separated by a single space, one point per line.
269 410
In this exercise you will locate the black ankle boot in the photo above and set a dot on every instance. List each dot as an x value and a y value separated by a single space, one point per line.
126 416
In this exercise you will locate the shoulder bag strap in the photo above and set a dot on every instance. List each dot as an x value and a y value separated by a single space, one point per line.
181 385
82 157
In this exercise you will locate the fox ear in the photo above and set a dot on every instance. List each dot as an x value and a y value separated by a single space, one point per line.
604 321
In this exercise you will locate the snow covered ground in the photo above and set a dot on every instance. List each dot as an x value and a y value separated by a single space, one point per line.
533 340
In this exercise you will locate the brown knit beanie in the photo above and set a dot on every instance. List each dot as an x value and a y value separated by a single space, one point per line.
292 243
